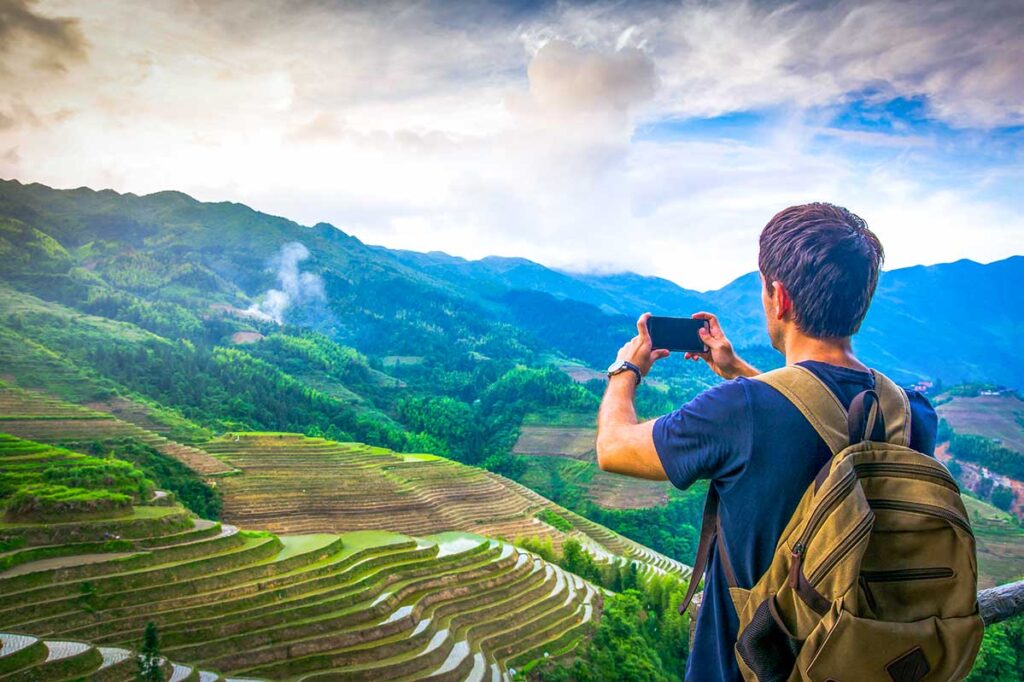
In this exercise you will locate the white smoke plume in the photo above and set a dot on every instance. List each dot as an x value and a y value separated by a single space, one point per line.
296 287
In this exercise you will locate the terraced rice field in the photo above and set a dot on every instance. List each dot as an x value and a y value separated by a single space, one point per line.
366 605
294 484
613 491
23 360
568 439
1000 544
23 657
558 441
37 416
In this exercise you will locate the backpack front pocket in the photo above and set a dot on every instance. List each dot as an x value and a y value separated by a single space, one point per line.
867 650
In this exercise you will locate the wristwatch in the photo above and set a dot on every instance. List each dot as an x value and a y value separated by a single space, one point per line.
625 366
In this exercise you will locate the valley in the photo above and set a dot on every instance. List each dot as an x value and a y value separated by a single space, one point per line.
297 456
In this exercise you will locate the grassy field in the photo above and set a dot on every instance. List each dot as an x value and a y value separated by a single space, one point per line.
1000 541
995 416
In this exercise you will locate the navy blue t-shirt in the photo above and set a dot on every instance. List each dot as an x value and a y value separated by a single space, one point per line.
761 454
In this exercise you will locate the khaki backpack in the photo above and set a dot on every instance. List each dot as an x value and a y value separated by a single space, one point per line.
875 575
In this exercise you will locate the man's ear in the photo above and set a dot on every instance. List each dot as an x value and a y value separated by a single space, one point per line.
781 299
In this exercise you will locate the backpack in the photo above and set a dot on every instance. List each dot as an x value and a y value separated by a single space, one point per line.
875 575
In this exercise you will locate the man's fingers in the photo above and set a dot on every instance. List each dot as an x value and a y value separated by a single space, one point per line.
709 339
641 327
712 319
659 354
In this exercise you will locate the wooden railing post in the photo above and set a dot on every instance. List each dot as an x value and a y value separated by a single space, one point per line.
999 603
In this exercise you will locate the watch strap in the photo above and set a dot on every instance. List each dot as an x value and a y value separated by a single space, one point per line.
627 365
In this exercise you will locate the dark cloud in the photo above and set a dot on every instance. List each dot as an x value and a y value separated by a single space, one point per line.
59 39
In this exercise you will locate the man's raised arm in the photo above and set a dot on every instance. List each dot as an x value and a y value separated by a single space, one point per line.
623 445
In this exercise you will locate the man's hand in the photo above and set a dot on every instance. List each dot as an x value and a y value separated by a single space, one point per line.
638 349
721 357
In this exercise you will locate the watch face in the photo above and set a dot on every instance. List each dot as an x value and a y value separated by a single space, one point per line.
615 367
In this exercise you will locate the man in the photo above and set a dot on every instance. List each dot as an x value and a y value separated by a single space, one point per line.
819 267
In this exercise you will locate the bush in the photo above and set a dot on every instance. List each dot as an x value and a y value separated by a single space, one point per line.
542 547
555 519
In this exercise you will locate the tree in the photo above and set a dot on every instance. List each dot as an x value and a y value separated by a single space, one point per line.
1002 497
997 659
984 488
150 669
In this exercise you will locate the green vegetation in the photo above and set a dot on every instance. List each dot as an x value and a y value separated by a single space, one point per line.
39 482
168 473
641 634
150 667
41 501
983 451
552 518
1000 541
1002 653
1002 497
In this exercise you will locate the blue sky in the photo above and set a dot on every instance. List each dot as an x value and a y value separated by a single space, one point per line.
600 136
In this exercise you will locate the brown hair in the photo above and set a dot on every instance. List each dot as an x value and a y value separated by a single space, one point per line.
828 260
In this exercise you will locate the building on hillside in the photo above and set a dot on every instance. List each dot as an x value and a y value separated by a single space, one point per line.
922 387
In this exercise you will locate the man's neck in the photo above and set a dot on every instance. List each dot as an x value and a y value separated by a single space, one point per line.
799 348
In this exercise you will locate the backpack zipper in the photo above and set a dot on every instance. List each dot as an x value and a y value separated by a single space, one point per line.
831 501
901 574
862 528
921 508
870 469
827 505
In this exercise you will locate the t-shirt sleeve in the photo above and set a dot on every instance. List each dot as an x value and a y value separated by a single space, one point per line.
924 423
708 437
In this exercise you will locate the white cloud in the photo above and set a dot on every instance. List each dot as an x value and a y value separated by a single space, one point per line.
477 130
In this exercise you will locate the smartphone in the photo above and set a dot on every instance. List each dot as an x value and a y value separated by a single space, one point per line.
677 333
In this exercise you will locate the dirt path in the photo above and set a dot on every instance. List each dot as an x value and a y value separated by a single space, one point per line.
63 562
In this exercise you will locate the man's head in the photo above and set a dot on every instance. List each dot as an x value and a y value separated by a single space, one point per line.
820 265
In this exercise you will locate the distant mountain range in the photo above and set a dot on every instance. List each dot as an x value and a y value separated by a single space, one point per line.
958 321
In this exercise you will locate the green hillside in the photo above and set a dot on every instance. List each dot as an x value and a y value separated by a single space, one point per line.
301 457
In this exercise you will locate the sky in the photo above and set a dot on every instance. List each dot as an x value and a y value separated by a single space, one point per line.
655 137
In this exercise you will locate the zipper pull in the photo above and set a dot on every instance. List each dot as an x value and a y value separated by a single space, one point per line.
795 558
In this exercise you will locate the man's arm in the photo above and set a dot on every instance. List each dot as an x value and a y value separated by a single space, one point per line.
625 446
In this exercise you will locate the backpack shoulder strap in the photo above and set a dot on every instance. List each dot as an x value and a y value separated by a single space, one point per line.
815 401
895 407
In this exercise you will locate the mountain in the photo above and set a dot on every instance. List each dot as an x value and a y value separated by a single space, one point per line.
955 322
615 294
